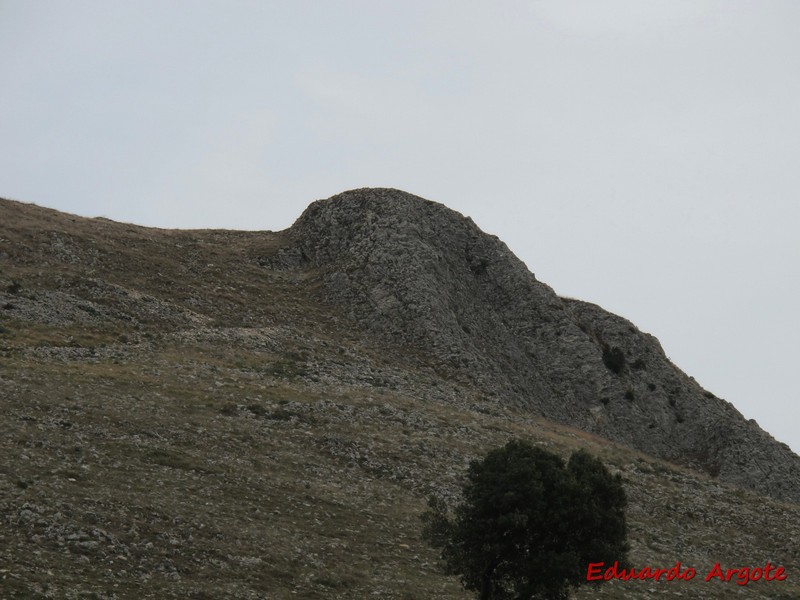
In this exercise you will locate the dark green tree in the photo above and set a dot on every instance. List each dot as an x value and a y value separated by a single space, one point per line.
528 525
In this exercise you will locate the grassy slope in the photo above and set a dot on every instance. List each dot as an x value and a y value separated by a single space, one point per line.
237 439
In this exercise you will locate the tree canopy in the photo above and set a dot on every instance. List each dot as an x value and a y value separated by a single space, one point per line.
528 524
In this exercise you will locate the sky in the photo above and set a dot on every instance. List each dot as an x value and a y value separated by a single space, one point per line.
638 154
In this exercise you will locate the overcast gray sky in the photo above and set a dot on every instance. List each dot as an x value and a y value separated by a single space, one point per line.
639 154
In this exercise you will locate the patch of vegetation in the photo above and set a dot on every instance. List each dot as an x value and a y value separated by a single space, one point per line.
230 409
286 369
529 525
613 359
281 414
177 460
257 409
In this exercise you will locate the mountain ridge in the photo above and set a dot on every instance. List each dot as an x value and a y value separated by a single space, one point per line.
214 414
421 274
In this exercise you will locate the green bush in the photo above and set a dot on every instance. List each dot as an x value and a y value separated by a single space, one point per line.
613 359
528 525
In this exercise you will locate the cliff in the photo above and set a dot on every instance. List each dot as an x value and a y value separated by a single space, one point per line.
424 276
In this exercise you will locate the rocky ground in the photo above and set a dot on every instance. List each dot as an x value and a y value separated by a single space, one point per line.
417 273
180 420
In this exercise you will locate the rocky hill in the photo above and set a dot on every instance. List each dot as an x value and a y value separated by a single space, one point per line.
221 414
422 275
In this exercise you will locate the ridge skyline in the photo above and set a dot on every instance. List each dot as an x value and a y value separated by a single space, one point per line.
727 376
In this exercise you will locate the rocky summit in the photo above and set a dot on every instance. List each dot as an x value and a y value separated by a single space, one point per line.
422 275
264 415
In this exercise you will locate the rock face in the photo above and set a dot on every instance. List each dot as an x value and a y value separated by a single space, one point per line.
424 276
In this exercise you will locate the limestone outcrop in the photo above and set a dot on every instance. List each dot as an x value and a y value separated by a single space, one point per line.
426 277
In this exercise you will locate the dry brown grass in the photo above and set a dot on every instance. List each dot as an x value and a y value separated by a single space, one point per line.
271 451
